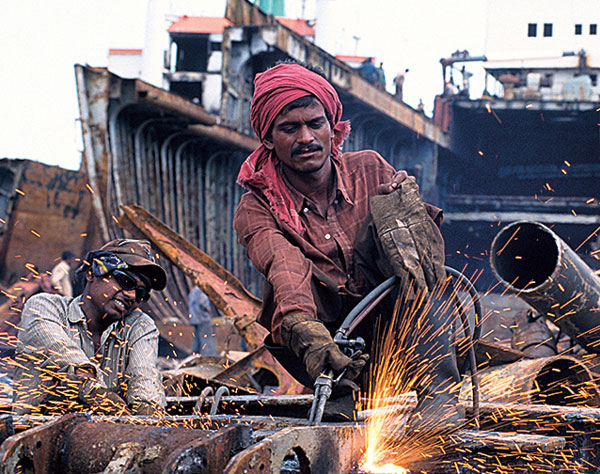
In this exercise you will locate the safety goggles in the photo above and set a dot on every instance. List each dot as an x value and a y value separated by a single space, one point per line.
104 263
127 282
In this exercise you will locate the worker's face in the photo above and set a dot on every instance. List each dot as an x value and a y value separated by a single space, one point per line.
301 138
109 301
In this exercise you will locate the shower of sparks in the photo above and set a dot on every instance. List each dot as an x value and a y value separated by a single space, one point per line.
398 368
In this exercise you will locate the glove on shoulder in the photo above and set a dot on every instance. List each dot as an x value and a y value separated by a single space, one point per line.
408 235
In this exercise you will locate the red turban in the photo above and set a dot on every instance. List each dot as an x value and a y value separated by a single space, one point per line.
273 90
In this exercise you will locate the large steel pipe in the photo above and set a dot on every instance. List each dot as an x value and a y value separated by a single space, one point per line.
532 261
558 380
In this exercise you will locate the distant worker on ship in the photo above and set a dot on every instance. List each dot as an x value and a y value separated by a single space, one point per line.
326 227
380 77
399 84
368 70
97 351
201 312
61 274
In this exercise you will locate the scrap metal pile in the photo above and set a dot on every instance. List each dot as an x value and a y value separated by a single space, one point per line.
243 413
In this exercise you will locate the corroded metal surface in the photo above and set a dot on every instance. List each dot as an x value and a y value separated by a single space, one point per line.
330 449
515 438
531 260
75 445
50 211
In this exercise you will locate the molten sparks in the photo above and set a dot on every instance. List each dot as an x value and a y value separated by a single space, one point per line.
398 369
385 469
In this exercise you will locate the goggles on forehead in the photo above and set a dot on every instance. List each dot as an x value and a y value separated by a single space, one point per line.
127 282
106 262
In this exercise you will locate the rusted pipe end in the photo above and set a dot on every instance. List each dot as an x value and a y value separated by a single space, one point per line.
525 255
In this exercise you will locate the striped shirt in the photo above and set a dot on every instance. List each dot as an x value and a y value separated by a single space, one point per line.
54 340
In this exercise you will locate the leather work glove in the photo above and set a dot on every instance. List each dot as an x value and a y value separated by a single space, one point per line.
408 235
310 340
147 409
101 400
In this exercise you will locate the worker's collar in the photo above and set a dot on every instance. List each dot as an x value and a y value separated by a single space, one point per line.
75 315
340 190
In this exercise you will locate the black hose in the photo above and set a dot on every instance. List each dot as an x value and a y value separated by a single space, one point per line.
471 360
476 307
365 305
372 295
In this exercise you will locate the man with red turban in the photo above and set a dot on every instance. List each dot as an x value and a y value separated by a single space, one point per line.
314 225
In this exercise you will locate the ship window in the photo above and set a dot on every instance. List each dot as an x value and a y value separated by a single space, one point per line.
594 79
578 29
532 29
547 29
593 29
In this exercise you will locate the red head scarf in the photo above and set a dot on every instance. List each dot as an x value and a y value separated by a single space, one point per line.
273 90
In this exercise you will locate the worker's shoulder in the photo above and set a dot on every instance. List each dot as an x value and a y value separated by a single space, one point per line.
251 201
48 300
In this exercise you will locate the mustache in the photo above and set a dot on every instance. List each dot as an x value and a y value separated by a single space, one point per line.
306 148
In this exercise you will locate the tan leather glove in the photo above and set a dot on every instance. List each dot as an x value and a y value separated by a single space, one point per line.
147 409
310 340
101 400
408 235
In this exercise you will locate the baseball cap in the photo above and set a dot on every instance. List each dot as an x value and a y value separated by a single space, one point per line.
137 254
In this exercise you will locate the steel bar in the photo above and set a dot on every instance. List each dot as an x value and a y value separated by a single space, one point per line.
224 289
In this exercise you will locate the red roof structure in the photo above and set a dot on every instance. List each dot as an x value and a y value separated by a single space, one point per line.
199 24
211 24
353 59
297 25
124 51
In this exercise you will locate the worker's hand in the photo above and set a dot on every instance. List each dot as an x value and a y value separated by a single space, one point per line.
310 340
147 409
387 188
353 370
101 400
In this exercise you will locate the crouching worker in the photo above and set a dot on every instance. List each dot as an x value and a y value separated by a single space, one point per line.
96 352
325 227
